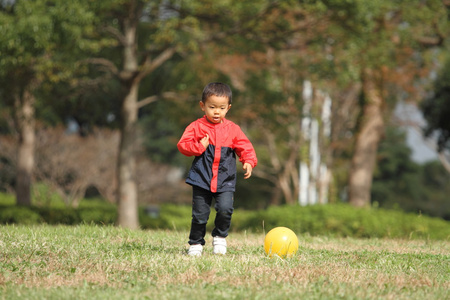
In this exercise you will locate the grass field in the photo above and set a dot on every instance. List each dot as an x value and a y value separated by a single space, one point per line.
94 262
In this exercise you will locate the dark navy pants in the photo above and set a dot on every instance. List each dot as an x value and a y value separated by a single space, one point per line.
201 208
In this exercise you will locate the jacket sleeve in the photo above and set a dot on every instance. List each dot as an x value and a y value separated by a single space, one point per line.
189 144
244 149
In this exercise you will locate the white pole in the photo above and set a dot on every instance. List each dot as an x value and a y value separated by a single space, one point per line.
304 183
326 116
324 183
314 153
304 174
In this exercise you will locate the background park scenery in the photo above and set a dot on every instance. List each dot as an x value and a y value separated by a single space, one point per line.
94 96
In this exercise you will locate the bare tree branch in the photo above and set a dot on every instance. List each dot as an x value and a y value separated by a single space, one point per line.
442 158
444 161
441 155
147 101
149 65
155 98
429 41
115 33
109 65
265 173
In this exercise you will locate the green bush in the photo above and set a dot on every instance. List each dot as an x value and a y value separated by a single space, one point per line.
340 220
18 215
345 221
101 216
55 216
7 199
171 216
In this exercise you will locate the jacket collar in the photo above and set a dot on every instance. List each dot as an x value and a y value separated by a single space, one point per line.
204 120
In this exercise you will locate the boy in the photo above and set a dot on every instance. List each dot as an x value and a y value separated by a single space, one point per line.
214 141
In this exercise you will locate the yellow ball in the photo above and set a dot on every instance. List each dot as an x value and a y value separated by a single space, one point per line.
281 241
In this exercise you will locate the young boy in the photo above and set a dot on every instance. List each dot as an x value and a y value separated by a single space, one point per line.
214 141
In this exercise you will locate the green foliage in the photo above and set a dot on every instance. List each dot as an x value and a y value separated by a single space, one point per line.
346 221
32 32
19 215
163 122
55 216
7 199
41 45
401 183
44 196
7 177
41 37
177 217
252 194
377 34
396 175
161 135
436 108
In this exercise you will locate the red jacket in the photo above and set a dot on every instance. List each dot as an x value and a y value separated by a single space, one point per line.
214 168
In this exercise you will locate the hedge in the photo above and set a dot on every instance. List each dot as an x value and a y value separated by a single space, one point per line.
346 221
339 220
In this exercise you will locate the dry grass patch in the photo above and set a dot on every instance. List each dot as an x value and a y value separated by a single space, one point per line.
390 245
108 262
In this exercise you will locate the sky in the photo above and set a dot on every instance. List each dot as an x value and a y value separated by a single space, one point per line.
422 151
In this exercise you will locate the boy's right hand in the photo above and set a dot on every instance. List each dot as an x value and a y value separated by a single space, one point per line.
205 141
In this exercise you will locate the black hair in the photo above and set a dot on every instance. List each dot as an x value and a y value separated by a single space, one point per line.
217 89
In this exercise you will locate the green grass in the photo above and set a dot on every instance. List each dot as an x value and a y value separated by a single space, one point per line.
95 262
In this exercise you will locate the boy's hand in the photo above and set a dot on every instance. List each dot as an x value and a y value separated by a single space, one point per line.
248 170
205 141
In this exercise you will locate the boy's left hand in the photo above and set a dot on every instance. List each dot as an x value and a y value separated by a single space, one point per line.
248 170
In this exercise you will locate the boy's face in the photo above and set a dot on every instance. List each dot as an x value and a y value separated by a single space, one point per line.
215 108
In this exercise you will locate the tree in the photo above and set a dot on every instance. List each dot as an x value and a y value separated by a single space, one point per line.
150 33
275 129
376 41
396 177
125 22
401 183
268 75
37 39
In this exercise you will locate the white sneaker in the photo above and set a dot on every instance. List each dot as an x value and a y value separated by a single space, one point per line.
219 245
195 250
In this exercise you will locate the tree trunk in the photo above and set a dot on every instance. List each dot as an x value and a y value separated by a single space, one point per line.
24 108
130 78
128 201
284 183
366 145
275 198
